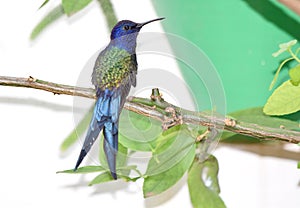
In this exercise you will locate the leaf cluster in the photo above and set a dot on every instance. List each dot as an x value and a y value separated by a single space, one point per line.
173 153
286 98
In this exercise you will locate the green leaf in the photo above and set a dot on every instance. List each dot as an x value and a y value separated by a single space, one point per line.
85 169
138 132
229 137
295 75
109 13
122 172
257 116
53 15
73 6
284 100
203 184
170 154
166 138
156 184
44 3
101 178
78 131
125 171
122 155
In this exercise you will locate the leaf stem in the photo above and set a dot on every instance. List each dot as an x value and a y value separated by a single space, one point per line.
277 72
293 55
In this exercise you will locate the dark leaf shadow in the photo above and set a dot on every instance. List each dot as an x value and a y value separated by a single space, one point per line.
293 116
277 16
39 103
110 187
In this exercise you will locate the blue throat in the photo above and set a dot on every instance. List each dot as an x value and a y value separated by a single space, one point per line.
125 42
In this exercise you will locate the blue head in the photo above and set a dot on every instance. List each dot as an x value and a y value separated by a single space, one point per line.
125 32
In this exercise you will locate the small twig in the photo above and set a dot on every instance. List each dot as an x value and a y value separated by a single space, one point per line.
156 96
203 135
145 107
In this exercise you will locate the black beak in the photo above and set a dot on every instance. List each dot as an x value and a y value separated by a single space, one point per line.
140 25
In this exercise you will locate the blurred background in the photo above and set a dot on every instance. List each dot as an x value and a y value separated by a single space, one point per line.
237 36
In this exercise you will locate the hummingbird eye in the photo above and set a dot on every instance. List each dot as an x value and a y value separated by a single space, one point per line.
126 27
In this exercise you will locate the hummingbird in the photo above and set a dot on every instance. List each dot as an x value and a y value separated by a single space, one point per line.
113 75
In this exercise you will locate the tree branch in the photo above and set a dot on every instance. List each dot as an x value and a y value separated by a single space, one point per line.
161 110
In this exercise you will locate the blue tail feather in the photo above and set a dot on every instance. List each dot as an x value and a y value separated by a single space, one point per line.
91 136
106 117
110 145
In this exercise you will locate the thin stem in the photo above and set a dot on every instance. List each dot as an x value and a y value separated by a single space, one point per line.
277 72
109 13
147 108
297 51
293 55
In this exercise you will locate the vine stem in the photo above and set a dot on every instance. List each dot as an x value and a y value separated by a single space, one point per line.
277 72
160 109
293 55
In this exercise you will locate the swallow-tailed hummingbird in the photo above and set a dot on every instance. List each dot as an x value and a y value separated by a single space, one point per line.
114 73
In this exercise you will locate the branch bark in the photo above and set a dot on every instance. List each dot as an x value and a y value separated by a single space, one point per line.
160 110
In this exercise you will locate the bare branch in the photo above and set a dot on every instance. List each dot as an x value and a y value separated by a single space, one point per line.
158 109
55 88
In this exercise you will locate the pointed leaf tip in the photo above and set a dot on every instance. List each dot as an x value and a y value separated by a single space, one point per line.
85 169
53 15
44 3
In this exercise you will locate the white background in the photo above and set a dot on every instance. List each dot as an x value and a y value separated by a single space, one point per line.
33 123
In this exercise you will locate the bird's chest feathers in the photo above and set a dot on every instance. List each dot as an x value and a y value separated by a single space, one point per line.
112 68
